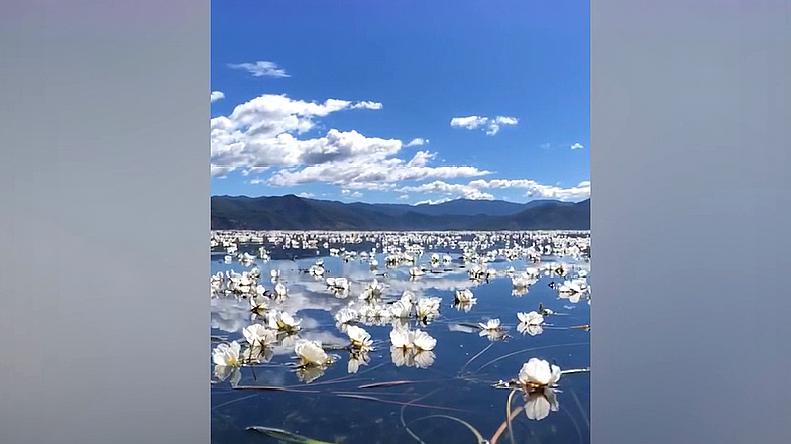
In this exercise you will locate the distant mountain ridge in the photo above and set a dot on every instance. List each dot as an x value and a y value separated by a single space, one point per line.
291 212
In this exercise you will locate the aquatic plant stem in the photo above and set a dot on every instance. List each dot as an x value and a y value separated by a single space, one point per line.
508 416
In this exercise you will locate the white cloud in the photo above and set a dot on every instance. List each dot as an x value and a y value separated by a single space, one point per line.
535 189
260 133
432 201
417 141
306 195
372 172
366 104
577 146
264 133
491 125
475 189
351 193
454 190
261 68
217 95
469 122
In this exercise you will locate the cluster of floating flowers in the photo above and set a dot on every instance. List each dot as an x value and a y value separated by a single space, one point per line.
368 302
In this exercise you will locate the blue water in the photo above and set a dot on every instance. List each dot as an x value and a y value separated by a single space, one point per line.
331 407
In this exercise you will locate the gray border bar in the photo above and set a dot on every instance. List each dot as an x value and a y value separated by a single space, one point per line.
105 213
691 195
104 184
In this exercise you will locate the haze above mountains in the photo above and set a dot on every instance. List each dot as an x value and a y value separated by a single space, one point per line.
291 212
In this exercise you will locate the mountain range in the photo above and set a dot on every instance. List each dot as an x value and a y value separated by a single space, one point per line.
291 212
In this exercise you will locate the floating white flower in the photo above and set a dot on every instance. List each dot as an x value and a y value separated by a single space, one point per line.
317 269
538 373
400 338
280 290
372 291
361 339
522 280
283 321
227 355
346 315
422 340
311 353
338 283
531 318
491 324
259 335
401 309
258 304
464 295
529 329
427 308
415 271
274 274
575 286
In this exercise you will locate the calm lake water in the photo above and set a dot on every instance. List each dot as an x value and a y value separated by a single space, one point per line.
343 407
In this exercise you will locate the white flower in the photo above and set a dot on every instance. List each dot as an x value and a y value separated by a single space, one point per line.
282 321
427 308
400 310
400 338
464 295
538 372
346 315
280 290
259 334
360 338
491 324
311 353
317 270
373 291
522 280
338 283
529 329
415 271
532 318
540 403
274 274
227 354
258 303
422 340
572 287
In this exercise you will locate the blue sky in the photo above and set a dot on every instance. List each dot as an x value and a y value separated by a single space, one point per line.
322 99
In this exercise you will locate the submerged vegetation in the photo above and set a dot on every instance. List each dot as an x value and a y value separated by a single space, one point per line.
301 303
